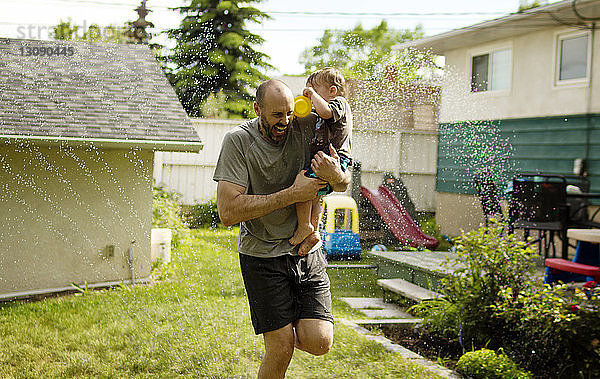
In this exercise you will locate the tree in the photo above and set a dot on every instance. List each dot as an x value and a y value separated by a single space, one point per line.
368 53
132 32
66 31
214 53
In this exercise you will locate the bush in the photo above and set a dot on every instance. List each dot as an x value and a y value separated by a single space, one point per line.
166 213
493 302
487 262
203 215
486 364
553 331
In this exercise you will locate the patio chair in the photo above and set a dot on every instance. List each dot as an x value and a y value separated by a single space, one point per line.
487 192
578 206
539 202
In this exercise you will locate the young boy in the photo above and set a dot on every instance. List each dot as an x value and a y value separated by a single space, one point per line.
326 89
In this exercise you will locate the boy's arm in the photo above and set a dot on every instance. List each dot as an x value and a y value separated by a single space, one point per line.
235 206
321 106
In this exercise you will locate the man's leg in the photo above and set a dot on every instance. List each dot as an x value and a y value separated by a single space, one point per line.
279 347
314 336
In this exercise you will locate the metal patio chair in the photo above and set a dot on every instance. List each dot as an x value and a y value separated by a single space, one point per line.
539 202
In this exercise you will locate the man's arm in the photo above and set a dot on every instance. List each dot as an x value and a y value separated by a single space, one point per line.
235 206
328 168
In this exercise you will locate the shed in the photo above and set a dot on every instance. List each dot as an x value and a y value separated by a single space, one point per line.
79 125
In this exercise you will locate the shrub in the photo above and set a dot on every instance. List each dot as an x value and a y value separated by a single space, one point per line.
487 262
166 213
553 331
493 302
486 364
203 215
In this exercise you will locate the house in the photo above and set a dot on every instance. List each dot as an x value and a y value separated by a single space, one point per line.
79 124
521 93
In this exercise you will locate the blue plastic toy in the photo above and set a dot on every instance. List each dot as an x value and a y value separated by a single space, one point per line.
340 237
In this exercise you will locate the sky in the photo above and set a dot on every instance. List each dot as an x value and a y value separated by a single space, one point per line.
294 25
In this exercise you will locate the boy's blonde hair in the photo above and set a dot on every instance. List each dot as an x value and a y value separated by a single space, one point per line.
330 76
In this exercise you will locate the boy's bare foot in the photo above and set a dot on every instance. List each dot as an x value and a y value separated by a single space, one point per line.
301 233
308 243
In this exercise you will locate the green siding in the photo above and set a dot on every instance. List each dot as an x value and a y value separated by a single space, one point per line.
506 147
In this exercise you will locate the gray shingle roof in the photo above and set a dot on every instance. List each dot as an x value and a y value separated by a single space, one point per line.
102 91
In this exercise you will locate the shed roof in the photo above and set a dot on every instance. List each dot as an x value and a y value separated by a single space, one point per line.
110 93
543 17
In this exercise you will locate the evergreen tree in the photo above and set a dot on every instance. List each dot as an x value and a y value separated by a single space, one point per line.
214 53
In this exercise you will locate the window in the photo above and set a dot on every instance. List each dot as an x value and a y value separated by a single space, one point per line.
573 57
491 71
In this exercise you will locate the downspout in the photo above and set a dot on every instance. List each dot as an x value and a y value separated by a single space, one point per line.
589 98
131 262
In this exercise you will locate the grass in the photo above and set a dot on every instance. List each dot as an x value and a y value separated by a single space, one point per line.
194 324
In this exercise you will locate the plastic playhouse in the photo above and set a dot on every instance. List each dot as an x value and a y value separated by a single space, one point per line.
340 227
387 213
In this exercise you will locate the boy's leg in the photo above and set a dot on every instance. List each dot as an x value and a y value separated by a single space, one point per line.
315 212
305 227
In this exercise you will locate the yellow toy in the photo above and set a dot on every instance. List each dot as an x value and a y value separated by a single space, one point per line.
343 241
302 106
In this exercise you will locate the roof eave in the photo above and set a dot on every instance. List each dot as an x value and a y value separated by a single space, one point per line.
107 143
434 44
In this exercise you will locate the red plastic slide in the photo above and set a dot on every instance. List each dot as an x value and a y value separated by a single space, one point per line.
397 219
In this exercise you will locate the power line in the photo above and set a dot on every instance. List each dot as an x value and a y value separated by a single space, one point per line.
386 14
296 13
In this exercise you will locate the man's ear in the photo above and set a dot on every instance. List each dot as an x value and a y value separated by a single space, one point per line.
333 91
256 109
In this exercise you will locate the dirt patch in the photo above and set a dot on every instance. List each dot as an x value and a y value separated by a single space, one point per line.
433 347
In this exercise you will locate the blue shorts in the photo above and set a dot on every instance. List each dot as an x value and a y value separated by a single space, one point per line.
344 163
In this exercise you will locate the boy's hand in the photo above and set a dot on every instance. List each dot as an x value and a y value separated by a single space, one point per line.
308 92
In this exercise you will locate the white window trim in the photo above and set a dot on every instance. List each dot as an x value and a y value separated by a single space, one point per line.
489 50
580 82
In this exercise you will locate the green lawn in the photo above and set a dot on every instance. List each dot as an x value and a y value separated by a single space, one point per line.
194 324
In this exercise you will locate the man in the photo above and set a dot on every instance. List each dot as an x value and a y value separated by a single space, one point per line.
259 180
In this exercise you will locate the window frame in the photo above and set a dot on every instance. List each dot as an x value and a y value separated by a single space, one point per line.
490 50
558 38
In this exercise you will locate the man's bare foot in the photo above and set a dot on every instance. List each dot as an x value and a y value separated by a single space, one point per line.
308 243
301 233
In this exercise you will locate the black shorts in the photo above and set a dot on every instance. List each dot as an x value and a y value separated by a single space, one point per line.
287 288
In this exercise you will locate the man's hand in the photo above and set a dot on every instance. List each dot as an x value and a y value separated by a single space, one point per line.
305 188
327 167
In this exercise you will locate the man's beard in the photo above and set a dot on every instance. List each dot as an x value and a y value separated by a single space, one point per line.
269 130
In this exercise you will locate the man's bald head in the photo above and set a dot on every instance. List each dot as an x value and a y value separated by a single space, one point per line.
271 87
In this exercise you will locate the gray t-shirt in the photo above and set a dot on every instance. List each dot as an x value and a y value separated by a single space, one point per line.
262 167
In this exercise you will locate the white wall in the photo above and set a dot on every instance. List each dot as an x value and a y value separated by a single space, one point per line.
191 174
409 154
533 91
60 209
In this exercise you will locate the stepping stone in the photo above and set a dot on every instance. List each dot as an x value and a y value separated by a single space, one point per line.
387 321
376 308
385 313
365 302
407 289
